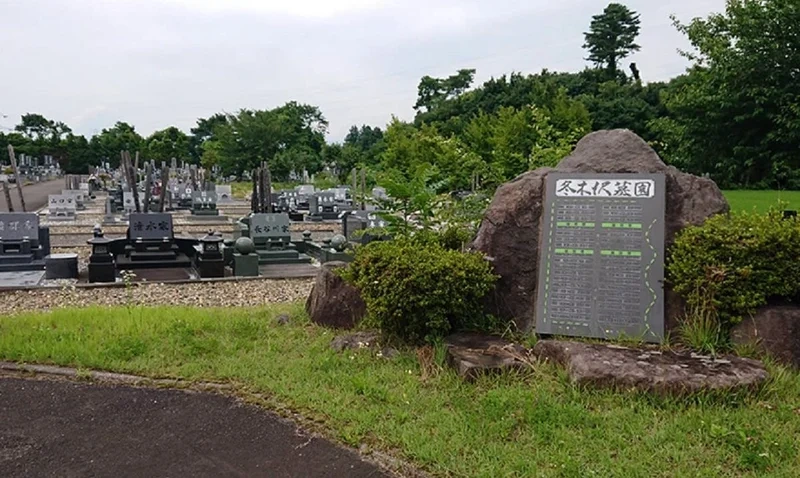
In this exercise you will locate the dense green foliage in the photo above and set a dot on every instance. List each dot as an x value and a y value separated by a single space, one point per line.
733 264
418 291
732 115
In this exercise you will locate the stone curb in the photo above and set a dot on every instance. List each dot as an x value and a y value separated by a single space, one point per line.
108 377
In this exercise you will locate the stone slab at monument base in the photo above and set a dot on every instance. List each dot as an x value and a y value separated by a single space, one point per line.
473 355
651 370
281 256
176 260
21 279
21 264
102 272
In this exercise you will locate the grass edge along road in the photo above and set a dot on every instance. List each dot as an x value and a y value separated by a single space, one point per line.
529 424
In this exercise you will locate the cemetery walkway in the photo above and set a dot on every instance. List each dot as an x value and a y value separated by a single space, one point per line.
62 428
35 195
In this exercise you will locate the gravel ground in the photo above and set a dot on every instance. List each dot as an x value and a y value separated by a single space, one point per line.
247 293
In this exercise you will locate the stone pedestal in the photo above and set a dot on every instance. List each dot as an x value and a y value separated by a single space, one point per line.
61 266
101 262
210 263
245 265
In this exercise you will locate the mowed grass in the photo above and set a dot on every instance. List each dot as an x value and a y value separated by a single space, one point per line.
528 424
761 201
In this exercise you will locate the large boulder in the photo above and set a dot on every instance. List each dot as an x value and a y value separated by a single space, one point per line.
333 302
774 330
474 354
511 228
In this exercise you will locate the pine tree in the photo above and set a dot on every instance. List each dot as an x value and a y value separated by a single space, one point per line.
612 36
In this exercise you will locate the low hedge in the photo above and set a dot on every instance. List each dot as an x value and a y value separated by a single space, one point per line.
419 291
736 263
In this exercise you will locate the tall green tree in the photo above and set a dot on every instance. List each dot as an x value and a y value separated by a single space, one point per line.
735 114
107 145
432 91
612 37
166 144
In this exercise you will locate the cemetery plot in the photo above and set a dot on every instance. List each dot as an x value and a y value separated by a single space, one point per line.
601 268
224 193
23 244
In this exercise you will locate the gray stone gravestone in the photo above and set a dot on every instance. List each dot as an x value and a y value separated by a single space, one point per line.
601 268
204 203
77 195
269 226
128 204
224 193
60 207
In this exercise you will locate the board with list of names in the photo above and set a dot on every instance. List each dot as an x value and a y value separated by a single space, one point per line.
602 257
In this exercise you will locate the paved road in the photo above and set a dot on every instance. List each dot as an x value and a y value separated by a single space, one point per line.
67 429
35 195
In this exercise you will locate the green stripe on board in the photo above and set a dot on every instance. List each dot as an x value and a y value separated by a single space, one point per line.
579 252
620 225
621 253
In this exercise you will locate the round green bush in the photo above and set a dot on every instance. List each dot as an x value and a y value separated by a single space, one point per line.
737 263
418 291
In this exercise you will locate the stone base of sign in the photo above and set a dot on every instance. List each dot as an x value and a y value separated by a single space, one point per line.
245 265
332 301
774 330
473 355
21 279
61 266
662 373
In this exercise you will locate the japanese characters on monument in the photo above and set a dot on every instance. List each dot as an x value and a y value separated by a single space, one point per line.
602 256
269 225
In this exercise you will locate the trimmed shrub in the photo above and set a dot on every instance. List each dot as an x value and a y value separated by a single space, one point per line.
418 291
731 265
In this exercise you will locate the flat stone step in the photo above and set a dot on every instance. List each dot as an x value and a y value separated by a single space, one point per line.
651 370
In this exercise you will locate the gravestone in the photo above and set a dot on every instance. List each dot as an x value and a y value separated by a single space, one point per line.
271 235
60 207
224 194
323 205
151 243
602 257
204 203
23 244
128 204
77 195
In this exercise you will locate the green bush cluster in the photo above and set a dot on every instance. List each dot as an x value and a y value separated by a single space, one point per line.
418 291
733 264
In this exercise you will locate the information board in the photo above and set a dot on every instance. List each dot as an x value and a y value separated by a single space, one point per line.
601 268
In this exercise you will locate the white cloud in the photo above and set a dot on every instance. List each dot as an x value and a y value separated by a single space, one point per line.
295 8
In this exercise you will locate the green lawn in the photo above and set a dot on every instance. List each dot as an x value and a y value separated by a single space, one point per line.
761 201
531 424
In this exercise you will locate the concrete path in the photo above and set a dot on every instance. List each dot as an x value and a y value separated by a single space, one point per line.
35 195
67 429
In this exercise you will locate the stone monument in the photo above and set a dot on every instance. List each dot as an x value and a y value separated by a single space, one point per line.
513 230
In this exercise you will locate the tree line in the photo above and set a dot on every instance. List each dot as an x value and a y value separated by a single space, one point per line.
734 115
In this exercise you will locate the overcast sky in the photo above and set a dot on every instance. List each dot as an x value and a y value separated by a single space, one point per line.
156 63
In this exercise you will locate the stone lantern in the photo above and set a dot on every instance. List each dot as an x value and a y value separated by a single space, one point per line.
101 262
209 262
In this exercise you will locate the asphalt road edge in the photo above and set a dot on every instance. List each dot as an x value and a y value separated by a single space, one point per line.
313 428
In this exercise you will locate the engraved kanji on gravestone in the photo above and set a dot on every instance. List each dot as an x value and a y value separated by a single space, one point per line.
373 221
204 198
17 226
150 225
602 256
269 225
60 205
